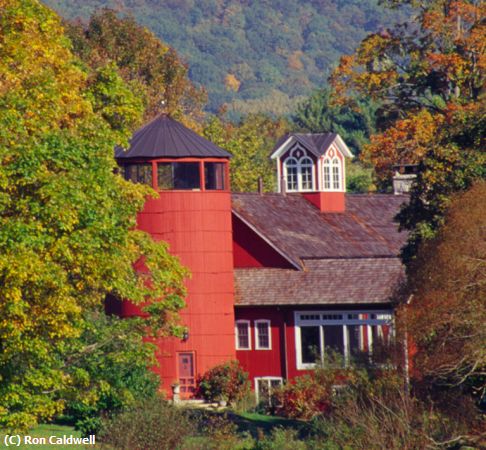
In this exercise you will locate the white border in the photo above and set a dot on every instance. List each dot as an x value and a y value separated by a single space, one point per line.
248 326
255 325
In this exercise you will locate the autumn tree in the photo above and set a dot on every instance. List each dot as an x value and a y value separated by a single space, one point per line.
429 78
153 70
446 315
250 142
67 219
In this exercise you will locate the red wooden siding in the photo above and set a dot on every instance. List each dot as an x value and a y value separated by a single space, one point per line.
263 363
197 226
250 250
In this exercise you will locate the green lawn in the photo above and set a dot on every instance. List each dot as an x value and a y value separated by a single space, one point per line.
44 431
252 422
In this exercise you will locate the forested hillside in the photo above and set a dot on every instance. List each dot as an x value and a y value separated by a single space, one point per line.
251 55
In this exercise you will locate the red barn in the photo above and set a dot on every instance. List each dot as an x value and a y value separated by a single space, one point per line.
314 268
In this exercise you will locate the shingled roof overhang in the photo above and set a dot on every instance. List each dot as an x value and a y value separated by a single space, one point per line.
164 137
323 282
316 143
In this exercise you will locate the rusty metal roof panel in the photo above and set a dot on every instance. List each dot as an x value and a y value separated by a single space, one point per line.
298 229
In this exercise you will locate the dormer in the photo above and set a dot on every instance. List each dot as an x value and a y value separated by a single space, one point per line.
313 164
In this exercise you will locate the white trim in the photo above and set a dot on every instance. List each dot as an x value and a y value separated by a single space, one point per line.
283 148
257 342
267 378
299 168
342 318
343 148
248 327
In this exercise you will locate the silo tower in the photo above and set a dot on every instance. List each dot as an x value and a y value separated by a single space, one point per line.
192 212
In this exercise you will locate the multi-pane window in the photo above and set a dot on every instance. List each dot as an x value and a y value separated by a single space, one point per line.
299 172
262 335
139 173
243 339
265 388
178 176
291 166
331 174
306 168
325 336
336 176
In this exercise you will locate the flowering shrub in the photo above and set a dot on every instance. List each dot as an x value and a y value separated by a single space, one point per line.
304 398
226 381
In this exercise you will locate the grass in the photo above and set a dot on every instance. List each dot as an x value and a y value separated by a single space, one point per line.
255 423
44 431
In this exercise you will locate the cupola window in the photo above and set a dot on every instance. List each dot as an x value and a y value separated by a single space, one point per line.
299 171
331 174
139 173
178 176
214 176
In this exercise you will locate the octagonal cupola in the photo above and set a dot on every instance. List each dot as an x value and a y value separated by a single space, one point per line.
314 165
169 156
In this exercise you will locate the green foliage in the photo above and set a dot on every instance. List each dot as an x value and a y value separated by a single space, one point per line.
66 218
108 366
224 382
278 51
453 162
116 48
359 178
354 124
151 425
281 439
250 142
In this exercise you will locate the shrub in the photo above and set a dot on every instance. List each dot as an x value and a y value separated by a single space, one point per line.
152 424
226 381
281 439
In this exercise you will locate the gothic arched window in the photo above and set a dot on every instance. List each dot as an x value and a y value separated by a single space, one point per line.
331 174
299 171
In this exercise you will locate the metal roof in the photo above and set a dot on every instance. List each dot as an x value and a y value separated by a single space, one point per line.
299 230
165 137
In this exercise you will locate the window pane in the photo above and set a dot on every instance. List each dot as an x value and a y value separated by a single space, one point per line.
335 177
164 176
214 176
334 339
243 337
186 176
139 173
358 343
380 343
310 344
306 177
327 177
263 335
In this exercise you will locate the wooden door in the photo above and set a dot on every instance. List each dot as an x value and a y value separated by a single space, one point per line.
186 372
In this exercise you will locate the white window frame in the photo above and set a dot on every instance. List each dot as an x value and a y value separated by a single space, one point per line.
330 163
237 341
299 164
257 341
268 379
387 318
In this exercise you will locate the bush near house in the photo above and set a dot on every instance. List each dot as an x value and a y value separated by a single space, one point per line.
226 381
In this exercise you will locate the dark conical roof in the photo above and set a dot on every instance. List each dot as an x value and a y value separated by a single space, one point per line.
165 137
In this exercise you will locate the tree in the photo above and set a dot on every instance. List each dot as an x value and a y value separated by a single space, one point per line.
250 142
421 75
153 71
430 81
318 114
447 313
67 220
